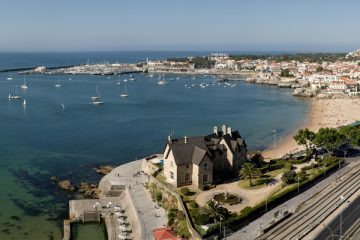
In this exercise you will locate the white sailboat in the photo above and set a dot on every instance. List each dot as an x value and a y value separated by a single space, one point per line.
96 100
16 96
58 84
96 97
24 103
24 86
9 77
131 78
125 94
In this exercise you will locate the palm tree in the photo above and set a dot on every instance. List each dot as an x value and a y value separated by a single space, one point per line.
249 171
214 210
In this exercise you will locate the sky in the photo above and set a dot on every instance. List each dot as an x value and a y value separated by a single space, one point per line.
228 25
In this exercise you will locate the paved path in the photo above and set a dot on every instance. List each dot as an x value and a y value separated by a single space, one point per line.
151 216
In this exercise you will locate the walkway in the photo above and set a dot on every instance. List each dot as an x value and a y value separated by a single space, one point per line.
129 175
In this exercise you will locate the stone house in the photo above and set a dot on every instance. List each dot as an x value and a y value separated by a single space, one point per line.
204 159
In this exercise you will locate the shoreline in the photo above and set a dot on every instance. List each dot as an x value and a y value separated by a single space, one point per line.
331 112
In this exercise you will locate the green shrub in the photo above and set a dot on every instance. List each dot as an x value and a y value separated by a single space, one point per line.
171 215
288 166
288 177
204 187
276 166
193 204
298 161
184 191
158 196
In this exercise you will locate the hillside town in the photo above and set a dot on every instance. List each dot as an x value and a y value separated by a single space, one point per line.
339 76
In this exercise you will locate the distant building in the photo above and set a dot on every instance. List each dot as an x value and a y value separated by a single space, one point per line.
202 160
165 233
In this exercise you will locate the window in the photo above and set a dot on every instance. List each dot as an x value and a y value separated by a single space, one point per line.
187 165
205 178
205 166
171 164
187 177
172 175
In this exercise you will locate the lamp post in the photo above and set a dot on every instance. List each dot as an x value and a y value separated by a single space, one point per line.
341 200
274 134
220 226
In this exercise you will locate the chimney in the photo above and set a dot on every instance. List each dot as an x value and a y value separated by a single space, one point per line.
185 139
229 131
223 128
216 130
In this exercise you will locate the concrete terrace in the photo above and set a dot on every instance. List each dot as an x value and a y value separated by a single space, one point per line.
130 181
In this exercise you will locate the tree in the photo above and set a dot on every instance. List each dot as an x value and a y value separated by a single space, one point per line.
304 137
214 210
319 69
328 138
249 171
288 176
352 134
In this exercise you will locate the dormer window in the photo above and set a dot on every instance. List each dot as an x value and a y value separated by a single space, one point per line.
205 166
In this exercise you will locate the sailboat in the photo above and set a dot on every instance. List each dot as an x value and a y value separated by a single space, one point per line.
118 82
125 94
24 103
24 86
9 77
96 99
16 96
131 78
57 85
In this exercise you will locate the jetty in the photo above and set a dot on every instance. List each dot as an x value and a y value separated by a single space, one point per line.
124 205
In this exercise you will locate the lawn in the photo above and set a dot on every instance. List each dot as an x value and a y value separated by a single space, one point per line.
257 183
161 176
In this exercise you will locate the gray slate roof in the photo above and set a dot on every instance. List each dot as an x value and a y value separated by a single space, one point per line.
197 148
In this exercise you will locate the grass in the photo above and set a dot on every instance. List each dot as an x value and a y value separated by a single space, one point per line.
231 199
275 173
257 183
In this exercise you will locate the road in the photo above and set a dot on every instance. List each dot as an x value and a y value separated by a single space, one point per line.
349 216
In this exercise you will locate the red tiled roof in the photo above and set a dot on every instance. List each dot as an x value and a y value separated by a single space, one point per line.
165 233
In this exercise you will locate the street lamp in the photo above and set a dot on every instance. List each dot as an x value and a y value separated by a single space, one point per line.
341 200
220 226
274 134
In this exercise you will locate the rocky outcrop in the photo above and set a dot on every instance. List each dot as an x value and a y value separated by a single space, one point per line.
104 169
89 190
304 92
66 185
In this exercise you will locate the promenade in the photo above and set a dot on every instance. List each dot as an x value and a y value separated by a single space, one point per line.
145 215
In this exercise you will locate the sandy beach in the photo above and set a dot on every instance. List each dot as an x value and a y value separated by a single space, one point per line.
323 113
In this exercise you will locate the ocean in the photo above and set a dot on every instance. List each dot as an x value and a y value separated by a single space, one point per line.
59 133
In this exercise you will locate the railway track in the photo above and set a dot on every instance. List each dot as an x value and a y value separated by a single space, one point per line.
297 226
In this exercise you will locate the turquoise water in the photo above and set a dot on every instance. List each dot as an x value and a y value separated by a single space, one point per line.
44 139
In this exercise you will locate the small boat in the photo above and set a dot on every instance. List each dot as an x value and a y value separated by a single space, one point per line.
58 84
131 78
162 82
16 96
24 86
24 103
9 77
96 100
125 80
97 97
125 94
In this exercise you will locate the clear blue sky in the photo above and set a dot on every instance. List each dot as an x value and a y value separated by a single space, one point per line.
240 25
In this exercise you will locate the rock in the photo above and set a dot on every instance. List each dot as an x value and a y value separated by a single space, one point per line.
89 190
54 178
66 185
303 92
104 169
